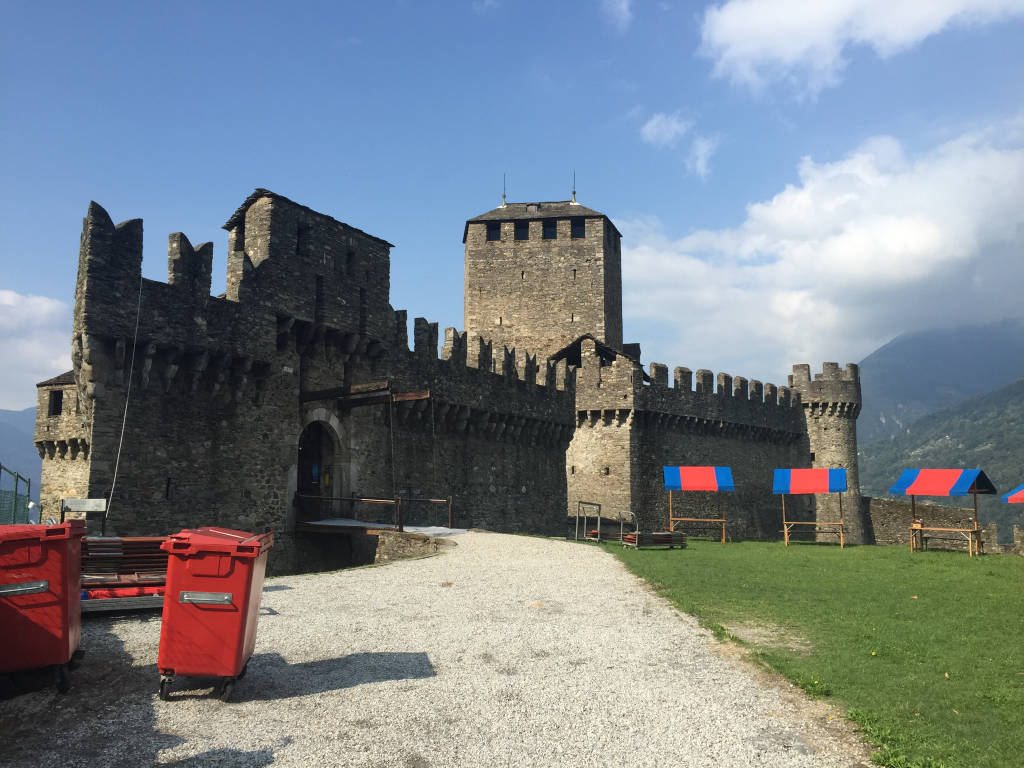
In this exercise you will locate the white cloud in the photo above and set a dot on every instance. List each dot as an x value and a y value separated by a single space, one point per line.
482 6
754 42
663 130
701 150
37 343
618 12
834 265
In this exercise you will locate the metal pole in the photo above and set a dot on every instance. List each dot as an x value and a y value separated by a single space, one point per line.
398 514
451 520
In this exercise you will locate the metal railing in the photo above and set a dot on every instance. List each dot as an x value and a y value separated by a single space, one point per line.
311 507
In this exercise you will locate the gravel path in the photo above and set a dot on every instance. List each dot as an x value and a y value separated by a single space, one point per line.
503 651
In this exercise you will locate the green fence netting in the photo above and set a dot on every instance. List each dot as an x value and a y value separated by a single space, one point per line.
15 493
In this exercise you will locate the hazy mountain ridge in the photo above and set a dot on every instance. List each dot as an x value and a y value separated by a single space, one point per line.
983 432
17 449
922 372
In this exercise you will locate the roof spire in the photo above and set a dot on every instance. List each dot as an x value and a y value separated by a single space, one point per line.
503 201
574 187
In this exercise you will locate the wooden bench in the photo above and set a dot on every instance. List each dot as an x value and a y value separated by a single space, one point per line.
920 534
713 522
835 527
669 539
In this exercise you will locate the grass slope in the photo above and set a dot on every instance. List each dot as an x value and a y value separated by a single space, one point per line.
985 432
925 651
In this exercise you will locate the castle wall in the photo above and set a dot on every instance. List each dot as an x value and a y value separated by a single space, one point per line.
629 427
746 425
540 294
219 391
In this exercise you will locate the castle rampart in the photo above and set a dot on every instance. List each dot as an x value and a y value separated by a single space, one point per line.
298 390
222 392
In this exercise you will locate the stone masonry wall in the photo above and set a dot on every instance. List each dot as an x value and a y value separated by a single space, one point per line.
831 403
746 425
629 427
540 294
63 446
222 388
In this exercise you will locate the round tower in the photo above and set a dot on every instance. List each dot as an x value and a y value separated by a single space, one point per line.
831 402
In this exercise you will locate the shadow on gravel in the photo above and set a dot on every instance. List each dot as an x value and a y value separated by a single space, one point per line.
270 677
106 719
226 758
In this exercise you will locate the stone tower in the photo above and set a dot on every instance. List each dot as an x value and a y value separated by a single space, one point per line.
540 275
831 403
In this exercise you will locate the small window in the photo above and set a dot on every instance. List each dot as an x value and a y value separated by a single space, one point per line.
56 402
579 227
550 229
493 230
522 230
350 260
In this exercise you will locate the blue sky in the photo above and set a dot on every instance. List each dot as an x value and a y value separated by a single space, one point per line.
794 182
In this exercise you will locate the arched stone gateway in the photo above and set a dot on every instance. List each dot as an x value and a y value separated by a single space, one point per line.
322 471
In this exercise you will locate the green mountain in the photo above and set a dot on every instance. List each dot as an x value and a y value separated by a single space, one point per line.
983 432
918 373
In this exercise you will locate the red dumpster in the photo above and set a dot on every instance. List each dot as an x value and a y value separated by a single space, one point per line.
212 602
40 612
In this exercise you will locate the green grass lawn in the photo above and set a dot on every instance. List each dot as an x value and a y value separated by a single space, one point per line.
925 651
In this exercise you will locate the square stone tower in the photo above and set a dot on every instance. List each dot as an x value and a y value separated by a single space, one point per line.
540 275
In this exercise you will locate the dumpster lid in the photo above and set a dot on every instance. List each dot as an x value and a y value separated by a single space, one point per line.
64 530
212 539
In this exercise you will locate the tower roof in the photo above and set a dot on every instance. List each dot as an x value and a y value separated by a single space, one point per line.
559 209
260 192
68 377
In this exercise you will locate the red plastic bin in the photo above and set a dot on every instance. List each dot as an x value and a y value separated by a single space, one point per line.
212 604
40 609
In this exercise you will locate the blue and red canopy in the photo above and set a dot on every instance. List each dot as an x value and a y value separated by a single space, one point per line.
809 481
698 479
942 482
1016 496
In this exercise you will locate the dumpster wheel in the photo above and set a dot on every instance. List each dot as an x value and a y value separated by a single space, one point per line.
227 689
165 687
245 668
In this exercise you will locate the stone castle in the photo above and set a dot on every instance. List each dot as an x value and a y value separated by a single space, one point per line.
297 391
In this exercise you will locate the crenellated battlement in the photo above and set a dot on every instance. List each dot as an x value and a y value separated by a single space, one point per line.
834 389
469 356
723 386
